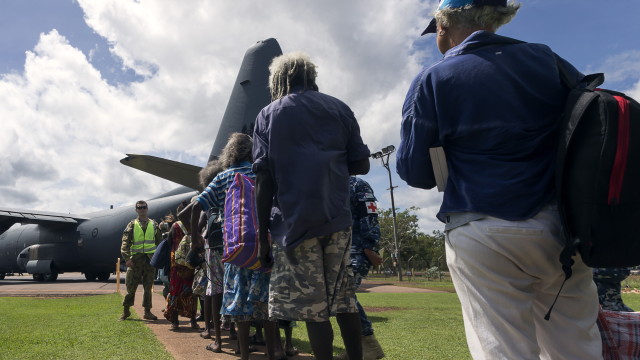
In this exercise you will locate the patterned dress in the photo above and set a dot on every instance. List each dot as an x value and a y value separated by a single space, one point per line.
180 298
246 292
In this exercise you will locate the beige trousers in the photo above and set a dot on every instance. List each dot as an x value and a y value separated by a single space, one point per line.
506 275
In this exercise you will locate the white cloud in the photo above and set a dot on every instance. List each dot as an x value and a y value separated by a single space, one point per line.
66 128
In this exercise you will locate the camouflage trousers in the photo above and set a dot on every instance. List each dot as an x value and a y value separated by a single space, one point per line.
313 281
608 282
142 271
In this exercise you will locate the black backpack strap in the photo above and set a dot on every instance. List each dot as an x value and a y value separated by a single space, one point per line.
579 99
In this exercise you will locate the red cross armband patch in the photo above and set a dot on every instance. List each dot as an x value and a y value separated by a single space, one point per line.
371 206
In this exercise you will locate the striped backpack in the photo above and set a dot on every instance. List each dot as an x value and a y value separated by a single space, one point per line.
241 225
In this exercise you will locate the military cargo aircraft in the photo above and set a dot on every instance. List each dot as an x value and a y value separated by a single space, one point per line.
46 244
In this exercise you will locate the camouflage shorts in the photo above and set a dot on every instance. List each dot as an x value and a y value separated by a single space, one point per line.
313 281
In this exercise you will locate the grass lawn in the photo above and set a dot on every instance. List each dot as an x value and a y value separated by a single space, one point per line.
73 328
409 326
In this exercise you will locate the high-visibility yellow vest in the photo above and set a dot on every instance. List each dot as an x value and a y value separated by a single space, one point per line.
144 242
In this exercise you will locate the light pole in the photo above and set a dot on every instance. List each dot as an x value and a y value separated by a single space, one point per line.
383 155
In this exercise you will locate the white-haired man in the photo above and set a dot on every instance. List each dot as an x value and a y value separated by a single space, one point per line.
306 144
493 104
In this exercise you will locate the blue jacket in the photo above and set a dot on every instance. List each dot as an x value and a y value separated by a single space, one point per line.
493 104
364 211
306 140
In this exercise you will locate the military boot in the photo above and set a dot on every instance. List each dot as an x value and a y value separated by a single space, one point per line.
371 349
125 313
148 315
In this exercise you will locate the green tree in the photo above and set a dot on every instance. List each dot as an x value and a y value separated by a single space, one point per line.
416 249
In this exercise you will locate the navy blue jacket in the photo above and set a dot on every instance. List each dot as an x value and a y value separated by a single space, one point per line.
364 211
306 140
493 104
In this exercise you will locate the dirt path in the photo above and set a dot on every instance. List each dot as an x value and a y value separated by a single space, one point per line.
186 344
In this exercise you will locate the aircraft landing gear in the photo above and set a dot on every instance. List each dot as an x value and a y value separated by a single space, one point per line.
103 276
50 277
38 277
90 276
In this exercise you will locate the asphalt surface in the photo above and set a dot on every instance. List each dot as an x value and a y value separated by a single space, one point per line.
74 284
68 284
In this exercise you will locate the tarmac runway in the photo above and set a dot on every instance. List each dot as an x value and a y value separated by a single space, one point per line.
74 284
68 284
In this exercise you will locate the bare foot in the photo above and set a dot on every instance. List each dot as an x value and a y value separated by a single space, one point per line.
214 347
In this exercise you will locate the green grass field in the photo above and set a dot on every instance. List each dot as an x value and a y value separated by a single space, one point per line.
73 328
409 327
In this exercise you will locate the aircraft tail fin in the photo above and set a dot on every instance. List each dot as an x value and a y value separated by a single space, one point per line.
249 95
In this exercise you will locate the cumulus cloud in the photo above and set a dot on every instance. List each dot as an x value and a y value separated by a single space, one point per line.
66 127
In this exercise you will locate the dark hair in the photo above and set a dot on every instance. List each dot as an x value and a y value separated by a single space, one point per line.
141 202
238 149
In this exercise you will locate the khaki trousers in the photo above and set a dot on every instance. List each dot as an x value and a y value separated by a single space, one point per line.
506 274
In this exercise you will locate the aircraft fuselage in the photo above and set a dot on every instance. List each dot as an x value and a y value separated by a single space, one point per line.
92 246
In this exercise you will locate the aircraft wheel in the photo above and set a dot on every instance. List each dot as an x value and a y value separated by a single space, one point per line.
90 276
38 277
50 277
2 276
104 276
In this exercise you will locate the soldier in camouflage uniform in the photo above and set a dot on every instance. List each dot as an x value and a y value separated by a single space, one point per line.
139 241
608 282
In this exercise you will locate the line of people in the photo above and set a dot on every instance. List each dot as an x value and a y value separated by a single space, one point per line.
493 104
305 148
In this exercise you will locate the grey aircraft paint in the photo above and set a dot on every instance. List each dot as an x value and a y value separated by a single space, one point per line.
45 244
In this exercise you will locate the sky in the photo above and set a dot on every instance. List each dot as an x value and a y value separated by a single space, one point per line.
83 83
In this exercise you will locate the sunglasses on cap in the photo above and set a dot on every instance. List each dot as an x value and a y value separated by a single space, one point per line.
143 207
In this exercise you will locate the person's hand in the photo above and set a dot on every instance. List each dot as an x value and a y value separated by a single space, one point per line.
373 257
129 263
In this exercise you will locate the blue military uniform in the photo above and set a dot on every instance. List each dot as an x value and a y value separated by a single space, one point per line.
366 228
608 282
366 235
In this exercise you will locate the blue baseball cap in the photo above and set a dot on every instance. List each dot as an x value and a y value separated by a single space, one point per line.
458 4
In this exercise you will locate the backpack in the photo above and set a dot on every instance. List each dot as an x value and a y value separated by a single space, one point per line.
598 175
241 225
161 257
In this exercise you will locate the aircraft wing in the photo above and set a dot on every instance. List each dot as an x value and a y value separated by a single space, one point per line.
8 217
180 173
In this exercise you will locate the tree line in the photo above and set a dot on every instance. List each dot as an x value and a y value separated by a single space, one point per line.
416 249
